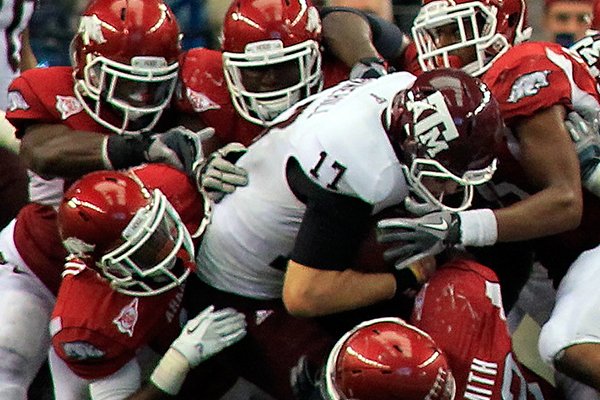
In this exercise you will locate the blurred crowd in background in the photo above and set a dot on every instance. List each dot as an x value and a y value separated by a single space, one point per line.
53 23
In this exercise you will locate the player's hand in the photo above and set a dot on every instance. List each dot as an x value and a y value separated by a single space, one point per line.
179 147
218 175
369 67
586 138
209 333
428 235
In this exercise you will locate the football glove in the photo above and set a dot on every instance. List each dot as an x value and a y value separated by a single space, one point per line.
209 333
586 138
218 175
179 147
420 237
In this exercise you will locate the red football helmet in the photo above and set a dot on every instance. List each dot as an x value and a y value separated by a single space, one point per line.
491 27
125 55
446 127
264 38
133 236
387 359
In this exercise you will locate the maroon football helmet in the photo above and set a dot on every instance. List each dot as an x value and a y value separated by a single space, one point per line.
387 359
588 49
260 36
125 55
490 26
134 237
447 126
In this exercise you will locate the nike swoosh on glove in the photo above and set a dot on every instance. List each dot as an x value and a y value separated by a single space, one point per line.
420 237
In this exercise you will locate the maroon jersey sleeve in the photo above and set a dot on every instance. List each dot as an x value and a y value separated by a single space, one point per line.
96 330
534 76
461 308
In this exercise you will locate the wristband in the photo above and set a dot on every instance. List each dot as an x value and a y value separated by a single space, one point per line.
170 372
478 227
123 151
405 280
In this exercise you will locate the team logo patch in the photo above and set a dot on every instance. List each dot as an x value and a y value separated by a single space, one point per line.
67 106
127 318
81 350
200 102
528 85
262 315
16 101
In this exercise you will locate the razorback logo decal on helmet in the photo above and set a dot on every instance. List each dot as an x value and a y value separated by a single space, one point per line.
313 22
528 85
436 129
90 28
78 247
67 106
127 318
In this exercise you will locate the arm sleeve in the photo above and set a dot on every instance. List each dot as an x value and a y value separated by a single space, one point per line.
388 39
119 385
333 225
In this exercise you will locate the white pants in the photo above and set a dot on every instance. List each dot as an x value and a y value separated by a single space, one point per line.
25 309
576 315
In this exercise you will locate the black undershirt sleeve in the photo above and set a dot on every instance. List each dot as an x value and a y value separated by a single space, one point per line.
333 225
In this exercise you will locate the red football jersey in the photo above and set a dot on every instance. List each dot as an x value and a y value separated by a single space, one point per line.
97 330
44 95
529 78
204 91
461 308
536 75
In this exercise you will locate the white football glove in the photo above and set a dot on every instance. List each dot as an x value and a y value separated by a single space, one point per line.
587 144
218 175
420 237
179 147
209 333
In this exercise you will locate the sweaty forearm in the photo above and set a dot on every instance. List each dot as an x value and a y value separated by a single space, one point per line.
309 292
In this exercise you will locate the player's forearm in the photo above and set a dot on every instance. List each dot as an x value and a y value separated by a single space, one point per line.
341 28
56 150
309 292
552 211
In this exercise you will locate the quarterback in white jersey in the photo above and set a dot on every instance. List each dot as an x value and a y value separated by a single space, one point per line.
256 226
315 181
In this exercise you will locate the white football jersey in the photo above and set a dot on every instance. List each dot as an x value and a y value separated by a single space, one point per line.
14 18
338 138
